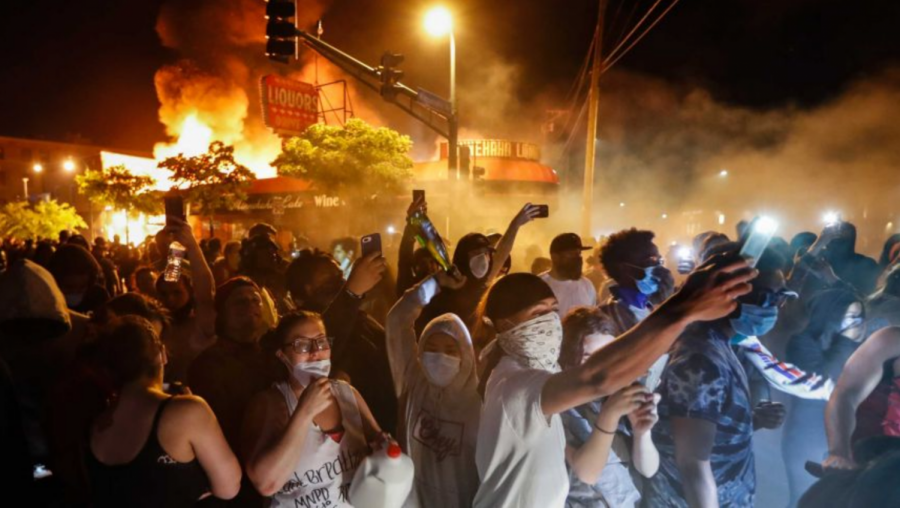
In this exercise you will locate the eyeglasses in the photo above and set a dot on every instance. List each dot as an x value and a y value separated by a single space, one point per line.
768 298
305 346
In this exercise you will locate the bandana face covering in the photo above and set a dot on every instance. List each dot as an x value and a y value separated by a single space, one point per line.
535 343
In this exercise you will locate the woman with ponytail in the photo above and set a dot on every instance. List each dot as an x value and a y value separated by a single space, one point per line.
147 448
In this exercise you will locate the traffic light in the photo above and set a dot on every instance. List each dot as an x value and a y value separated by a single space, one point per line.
390 75
281 34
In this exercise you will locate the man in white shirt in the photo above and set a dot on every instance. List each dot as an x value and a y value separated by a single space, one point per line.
569 286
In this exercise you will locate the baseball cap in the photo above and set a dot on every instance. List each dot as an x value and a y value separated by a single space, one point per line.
567 241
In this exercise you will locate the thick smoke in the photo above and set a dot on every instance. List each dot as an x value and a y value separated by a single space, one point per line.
661 145
662 149
217 81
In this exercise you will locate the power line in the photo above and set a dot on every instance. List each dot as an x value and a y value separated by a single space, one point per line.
625 39
608 64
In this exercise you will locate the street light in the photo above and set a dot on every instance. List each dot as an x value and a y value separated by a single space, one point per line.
69 165
439 22
37 168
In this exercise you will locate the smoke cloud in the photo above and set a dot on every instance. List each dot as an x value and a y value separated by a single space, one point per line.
661 145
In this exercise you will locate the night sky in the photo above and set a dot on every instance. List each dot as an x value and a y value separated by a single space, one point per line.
86 68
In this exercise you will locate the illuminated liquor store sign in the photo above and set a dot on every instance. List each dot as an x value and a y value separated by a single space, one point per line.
497 148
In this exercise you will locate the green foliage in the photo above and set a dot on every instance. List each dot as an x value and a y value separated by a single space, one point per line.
212 180
43 220
356 159
117 187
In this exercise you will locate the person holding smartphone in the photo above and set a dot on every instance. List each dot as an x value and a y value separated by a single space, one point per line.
601 462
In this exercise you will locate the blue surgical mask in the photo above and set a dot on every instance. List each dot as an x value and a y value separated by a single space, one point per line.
755 321
649 285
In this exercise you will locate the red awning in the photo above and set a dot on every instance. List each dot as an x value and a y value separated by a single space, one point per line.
278 185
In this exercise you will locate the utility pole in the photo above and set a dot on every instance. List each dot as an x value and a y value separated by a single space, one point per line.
593 102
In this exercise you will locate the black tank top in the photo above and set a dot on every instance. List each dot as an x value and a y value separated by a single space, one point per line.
152 479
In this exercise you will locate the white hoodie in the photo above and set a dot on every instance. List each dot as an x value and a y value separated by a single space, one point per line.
438 426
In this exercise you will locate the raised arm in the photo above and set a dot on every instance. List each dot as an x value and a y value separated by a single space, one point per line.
859 379
400 326
505 246
400 333
202 280
341 315
707 295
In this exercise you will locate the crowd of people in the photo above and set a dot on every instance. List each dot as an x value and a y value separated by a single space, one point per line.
250 377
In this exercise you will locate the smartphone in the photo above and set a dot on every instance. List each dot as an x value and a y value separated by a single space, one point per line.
370 243
543 211
418 194
654 375
761 232
175 206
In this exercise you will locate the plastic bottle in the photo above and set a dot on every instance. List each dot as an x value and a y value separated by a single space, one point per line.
383 480
173 267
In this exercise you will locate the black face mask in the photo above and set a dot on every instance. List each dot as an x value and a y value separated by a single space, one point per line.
571 269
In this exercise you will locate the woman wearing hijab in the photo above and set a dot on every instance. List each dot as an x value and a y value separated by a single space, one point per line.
436 378
520 450
836 328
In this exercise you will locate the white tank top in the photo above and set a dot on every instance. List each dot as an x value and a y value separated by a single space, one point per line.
322 476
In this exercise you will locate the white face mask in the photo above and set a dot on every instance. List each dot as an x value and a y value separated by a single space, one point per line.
440 369
479 265
307 372
535 342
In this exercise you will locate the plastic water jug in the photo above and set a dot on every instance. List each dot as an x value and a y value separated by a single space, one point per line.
383 480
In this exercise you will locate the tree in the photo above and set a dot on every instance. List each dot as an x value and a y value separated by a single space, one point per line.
355 160
119 188
211 181
43 220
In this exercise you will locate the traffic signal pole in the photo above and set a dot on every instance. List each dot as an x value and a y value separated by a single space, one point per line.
371 76
436 113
